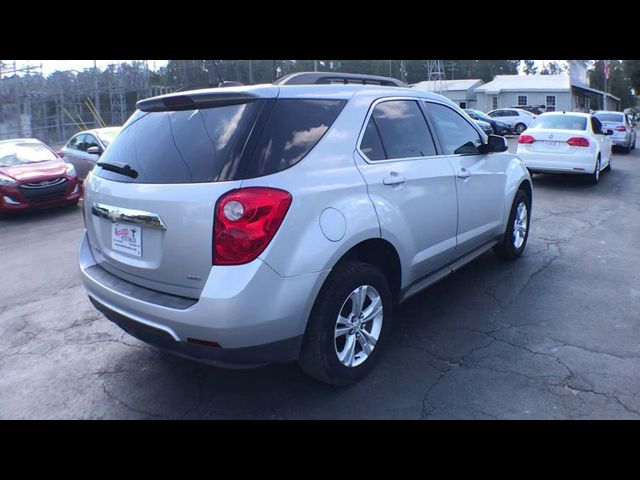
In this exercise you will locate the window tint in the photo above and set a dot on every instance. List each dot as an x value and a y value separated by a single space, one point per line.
187 146
596 125
294 127
496 114
456 135
610 117
560 122
73 143
82 142
371 144
403 129
90 141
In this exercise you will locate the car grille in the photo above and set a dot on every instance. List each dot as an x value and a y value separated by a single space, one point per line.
45 191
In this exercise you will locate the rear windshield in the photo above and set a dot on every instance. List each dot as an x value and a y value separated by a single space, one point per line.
188 146
560 122
229 142
22 153
609 117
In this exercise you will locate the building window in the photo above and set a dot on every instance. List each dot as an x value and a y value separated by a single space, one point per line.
522 100
494 102
463 105
551 103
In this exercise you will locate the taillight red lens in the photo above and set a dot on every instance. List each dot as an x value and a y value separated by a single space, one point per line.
526 139
578 142
245 222
621 128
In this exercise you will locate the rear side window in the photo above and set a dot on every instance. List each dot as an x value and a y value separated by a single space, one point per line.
371 144
293 128
403 130
457 136
188 146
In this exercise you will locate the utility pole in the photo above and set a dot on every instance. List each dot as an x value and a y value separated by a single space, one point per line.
403 71
96 94
250 72
315 65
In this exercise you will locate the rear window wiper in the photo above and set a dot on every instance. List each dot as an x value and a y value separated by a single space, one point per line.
121 168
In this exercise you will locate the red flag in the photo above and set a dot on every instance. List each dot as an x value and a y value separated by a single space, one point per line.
606 69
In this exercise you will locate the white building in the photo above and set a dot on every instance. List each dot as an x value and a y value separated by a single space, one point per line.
462 92
555 92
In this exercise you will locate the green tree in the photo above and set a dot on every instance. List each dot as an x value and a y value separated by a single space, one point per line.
619 83
529 67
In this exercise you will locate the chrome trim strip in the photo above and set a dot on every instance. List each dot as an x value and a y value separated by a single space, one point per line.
118 214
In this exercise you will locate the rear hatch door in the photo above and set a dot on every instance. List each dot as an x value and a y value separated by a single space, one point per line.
151 223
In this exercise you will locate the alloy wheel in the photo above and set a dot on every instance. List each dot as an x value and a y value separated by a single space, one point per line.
358 326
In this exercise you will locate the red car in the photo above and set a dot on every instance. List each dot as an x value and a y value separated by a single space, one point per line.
32 176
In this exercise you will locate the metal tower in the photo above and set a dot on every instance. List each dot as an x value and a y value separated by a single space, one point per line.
435 74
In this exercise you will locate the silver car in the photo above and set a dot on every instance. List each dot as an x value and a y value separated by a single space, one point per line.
249 225
624 133
84 149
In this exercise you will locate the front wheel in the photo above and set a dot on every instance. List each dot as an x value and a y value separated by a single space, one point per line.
517 232
348 324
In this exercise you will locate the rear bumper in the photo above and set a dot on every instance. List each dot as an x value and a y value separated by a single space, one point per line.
544 162
276 352
252 313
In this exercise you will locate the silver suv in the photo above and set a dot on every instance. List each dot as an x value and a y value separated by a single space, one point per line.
249 225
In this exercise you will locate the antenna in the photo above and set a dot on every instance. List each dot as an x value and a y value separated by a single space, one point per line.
435 74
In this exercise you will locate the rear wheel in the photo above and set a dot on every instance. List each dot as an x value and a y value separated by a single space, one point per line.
517 232
520 127
348 324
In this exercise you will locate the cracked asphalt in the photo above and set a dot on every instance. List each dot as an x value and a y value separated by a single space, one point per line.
554 335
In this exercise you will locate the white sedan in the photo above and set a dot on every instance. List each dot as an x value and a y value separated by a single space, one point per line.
559 142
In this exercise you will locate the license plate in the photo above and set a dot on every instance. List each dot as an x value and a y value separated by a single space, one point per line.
548 143
126 239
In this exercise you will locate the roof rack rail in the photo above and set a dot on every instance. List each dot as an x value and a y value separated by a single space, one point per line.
319 78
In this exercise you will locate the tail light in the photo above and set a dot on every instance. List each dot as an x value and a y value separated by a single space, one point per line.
622 128
578 142
526 139
245 222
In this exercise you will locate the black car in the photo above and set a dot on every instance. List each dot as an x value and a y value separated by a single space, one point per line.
499 128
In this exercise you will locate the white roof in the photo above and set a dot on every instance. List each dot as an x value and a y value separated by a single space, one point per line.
526 83
450 85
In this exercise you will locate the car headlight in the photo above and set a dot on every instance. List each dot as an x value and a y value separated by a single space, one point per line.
71 170
7 181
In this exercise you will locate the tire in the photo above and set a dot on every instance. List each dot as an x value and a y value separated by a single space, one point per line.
594 177
319 355
509 247
520 127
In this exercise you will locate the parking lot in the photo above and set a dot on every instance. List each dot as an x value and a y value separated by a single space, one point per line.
553 335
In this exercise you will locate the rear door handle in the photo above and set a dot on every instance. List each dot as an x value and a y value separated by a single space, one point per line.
464 173
394 179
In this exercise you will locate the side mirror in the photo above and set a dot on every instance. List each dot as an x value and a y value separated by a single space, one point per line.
496 144
608 132
94 150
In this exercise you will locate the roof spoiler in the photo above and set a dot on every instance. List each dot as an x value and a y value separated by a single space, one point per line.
193 99
324 78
